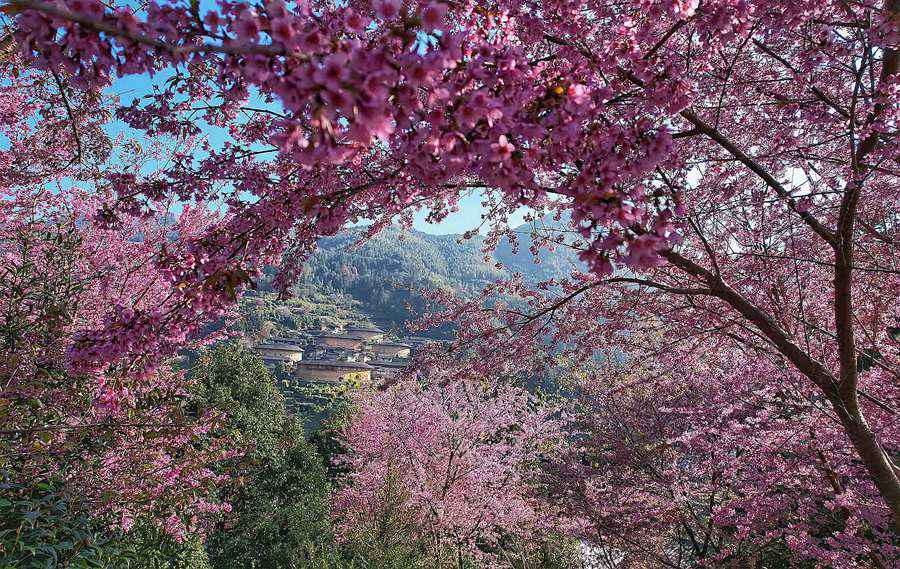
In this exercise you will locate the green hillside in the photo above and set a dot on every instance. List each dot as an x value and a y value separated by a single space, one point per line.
378 280
383 274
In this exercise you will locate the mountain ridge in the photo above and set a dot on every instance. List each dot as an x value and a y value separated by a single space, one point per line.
383 272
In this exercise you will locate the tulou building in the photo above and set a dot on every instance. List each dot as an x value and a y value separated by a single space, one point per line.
333 371
275 353
365 333
391 350
355 354
345 341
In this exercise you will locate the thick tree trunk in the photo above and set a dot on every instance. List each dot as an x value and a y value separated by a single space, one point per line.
879 466
841 393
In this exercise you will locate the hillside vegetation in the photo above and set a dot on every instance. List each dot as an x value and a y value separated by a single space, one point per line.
381 278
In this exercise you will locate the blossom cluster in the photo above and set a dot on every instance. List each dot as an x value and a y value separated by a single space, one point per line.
462 453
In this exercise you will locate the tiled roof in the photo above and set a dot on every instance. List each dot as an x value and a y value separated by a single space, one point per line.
335 363
286 347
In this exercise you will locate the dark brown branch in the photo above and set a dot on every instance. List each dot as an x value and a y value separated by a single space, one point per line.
72 122
816 91
757 169
175 50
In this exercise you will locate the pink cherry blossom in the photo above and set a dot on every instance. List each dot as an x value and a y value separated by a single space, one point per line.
388 9
433 15
724 169
463 454
502 149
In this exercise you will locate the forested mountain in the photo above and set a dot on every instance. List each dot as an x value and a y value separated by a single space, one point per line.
385 274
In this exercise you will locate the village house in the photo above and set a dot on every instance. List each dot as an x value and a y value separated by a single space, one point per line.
391 350
346 355
366 333
387 368
314 352
340 341
274 354
417 342
333 371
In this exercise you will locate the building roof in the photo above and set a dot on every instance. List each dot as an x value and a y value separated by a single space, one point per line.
392 345
283 347
341 336
334 363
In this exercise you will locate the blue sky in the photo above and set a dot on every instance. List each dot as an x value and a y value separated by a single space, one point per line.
468 217
135 86
470 207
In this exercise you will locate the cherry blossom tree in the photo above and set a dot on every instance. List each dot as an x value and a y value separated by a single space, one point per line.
460 460
116 437
729 167
692 442
719 462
